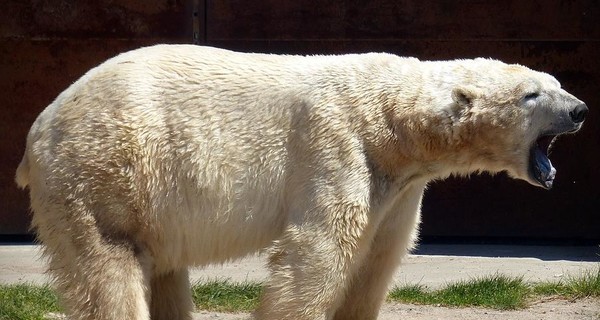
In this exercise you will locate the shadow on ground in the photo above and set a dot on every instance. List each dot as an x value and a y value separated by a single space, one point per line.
545 253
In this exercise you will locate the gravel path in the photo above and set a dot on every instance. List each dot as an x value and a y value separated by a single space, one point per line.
556 309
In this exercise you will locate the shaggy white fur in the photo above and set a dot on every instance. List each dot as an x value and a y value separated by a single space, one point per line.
177 155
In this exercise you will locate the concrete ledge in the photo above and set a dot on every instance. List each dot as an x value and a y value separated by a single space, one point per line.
431 265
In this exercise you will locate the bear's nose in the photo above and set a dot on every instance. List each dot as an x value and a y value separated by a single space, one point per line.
578 114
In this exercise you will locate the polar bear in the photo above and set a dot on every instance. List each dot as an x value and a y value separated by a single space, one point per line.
173 156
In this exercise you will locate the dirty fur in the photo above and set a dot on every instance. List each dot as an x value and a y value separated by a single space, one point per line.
174 156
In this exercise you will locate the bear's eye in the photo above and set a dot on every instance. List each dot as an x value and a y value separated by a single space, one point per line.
531 96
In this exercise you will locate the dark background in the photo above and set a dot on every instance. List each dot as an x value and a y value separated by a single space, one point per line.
45 45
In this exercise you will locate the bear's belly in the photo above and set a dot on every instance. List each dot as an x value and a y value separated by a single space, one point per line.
215 230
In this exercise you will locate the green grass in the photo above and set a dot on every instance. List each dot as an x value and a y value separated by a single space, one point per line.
26 302
415 293
498 292
30 302
222 295
584 285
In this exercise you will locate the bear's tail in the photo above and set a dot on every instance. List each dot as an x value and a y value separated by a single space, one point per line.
22 176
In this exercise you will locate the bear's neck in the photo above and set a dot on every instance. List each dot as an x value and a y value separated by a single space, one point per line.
412 136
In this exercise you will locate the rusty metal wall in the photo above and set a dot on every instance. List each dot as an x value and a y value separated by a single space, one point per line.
45 45
557 36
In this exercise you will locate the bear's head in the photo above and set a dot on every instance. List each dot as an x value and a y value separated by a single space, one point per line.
508 116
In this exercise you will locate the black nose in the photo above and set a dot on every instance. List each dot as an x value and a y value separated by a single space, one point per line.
578 114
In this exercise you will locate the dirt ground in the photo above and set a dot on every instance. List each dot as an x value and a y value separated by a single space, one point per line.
549 309
432 266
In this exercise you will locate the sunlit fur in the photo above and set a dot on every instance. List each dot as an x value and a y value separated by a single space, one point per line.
175 156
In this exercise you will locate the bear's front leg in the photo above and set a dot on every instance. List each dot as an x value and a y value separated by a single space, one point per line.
171 299
326 206
394 237
310 265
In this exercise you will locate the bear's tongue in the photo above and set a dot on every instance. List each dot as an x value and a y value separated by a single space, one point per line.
541 167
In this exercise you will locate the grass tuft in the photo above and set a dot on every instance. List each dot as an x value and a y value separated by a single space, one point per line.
225 296
585 285
416 294
498 292
26 302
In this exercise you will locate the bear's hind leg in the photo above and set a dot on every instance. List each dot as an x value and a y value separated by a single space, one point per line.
107 282
96 276
171 296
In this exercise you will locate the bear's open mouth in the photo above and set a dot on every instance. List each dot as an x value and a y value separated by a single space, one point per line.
540 167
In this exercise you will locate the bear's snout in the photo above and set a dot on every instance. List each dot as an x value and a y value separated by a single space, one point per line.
578 113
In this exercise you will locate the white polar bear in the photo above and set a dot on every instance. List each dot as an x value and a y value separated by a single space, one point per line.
177 155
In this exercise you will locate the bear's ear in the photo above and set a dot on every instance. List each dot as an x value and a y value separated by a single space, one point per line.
464 96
